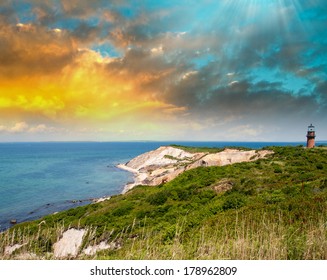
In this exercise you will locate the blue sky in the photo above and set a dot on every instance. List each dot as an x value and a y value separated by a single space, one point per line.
224 70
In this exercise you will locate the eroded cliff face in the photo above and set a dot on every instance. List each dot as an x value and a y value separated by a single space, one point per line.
165 163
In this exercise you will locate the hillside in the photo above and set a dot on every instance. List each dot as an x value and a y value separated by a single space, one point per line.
271 208
167 162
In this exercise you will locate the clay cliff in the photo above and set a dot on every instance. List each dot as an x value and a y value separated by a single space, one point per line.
165 163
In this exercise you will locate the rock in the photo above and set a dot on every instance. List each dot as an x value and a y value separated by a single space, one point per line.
69 244
97 200
223 186
10 249
162 156
26 256
165 163
91 250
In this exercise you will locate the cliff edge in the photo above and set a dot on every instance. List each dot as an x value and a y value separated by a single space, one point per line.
166 163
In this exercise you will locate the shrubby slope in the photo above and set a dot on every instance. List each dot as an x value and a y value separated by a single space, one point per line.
272 208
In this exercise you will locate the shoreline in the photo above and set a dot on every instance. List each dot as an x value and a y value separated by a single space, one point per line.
164 164
138 178
126 188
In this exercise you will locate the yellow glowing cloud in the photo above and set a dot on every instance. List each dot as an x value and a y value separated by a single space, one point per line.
67 85
82 90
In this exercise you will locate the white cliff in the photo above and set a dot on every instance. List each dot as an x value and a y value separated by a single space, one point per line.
165 163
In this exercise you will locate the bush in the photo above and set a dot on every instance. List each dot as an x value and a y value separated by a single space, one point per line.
158 198
234 201
160 211
277 169
274 197
319 166
122 210
204 196
169 234
291 190
143 213
181 193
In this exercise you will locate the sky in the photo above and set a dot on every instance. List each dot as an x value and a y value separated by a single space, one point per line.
228 70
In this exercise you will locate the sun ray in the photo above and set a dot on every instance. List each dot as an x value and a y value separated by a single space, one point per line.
102 64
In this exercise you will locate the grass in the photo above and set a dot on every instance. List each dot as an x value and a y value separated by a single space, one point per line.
197 149
206 149
276 209
242 241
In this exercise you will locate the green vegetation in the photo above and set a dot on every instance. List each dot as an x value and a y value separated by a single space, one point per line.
274 208
206 149
197 149
176 159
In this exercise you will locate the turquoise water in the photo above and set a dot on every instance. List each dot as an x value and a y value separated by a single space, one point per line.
37 179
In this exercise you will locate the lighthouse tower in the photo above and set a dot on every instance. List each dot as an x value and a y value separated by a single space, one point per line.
311 134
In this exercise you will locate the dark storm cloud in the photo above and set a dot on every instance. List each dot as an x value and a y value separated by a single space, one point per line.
321 95
234 49
263 100
87 33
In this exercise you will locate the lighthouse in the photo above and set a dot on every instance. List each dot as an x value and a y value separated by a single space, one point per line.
311 134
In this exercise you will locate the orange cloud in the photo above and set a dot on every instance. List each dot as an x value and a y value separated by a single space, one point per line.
28 49
45 76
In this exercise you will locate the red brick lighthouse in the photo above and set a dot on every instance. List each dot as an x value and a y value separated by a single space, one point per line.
311 136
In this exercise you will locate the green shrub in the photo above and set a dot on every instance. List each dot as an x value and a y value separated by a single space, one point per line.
319 166
274 197
169 234
234 201
159 211
204 196
278 169
158 198
323 184
290 190
122 210
180 194
142 214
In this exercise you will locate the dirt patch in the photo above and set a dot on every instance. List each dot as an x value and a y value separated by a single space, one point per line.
223 186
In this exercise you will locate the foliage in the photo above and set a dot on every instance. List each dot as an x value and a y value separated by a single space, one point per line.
276 209
206 149
234 201
197 149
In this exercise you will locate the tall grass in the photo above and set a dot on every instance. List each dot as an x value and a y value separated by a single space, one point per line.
242 237
270 238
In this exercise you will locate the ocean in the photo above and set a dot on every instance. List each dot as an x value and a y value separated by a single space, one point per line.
41 178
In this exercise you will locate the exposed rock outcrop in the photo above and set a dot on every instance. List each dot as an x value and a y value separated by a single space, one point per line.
91 250
223 186
103 245
166 163
10 249
69 244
